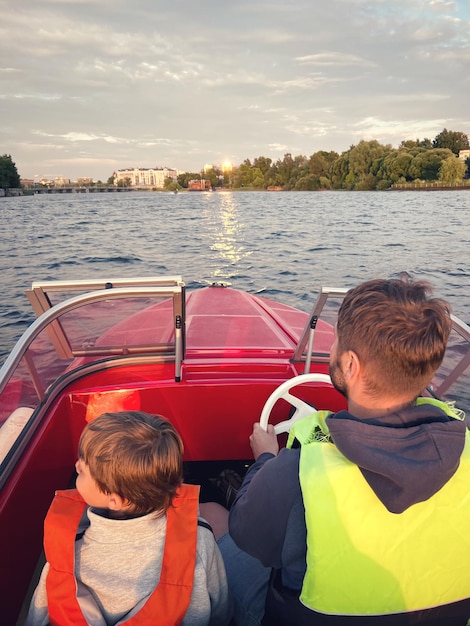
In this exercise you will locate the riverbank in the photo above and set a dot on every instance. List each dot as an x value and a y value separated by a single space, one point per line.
5 193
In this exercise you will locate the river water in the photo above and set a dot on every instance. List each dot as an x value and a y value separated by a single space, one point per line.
283 245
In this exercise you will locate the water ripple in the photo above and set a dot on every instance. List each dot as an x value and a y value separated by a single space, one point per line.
283 245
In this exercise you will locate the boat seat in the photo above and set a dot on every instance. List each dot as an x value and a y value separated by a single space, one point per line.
11 429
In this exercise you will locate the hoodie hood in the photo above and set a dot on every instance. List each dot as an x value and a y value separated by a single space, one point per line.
406 457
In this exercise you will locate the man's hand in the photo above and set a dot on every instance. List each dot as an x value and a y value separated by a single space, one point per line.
262 441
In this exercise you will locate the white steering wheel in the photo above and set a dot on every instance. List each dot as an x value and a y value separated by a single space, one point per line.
302 409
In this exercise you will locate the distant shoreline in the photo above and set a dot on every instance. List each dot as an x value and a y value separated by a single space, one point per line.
11 193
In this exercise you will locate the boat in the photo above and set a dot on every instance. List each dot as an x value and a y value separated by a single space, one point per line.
212 360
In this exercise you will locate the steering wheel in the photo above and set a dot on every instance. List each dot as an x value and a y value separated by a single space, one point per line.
301 408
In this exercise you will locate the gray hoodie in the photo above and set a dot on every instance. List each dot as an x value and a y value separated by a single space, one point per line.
118 564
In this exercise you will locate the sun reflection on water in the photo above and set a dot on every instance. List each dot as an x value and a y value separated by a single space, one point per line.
227 234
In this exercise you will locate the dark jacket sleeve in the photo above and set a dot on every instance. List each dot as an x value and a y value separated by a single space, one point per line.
259 516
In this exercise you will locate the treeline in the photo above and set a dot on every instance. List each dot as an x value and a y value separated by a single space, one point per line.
366 166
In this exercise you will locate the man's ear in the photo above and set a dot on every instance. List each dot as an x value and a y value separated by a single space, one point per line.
352 365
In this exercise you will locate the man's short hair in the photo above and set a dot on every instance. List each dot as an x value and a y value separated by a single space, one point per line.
397 331
136 455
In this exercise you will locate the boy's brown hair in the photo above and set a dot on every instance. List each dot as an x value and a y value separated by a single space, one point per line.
136 455
398 332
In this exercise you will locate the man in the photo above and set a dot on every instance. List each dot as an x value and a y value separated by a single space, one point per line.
364 518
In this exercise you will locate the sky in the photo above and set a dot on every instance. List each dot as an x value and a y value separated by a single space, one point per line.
88 87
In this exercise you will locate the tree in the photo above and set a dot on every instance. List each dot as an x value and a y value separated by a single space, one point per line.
358 168
451 139
340 171
307 183
426 164
273 176
9 177
183 179
171 185
320 163
395 167
214 176
243 175
416 143
263 163
258 178
285 169
452 170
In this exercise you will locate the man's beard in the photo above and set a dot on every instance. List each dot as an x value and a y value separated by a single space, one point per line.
337 378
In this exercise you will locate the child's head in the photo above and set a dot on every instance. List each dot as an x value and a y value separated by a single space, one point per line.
136 456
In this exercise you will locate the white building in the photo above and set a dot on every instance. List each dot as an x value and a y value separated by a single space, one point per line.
146 177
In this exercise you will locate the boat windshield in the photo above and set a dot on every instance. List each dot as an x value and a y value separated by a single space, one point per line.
97 321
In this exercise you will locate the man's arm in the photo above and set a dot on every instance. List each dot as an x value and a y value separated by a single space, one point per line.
258 517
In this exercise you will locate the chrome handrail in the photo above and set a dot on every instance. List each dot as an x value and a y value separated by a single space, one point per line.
49 316
309 329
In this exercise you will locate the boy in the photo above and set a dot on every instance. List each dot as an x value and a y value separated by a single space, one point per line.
125 546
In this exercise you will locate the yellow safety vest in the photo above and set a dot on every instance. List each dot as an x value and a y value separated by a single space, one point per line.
364 560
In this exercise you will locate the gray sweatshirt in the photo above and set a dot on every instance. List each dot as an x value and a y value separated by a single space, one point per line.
118 565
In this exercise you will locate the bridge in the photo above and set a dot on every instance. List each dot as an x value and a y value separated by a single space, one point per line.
110 189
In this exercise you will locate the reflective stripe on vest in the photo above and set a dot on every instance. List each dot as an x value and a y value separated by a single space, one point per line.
167 604
364 560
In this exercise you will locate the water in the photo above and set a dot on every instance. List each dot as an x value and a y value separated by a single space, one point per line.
283 245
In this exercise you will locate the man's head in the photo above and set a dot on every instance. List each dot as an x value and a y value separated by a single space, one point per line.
134 456
398 334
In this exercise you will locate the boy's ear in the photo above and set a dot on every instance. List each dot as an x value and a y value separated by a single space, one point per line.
116 502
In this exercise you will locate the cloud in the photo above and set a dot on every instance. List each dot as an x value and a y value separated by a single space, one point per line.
443 6
335 59
73 136
373 127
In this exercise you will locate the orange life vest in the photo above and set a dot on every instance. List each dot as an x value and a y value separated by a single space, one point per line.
169 601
